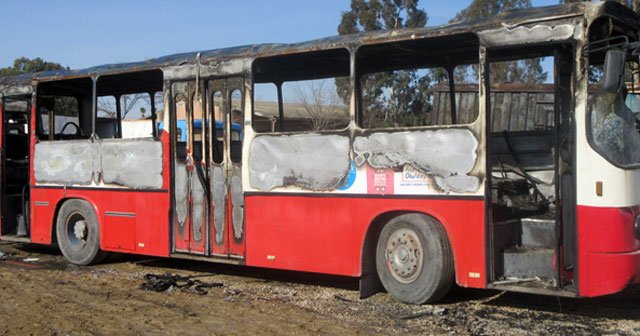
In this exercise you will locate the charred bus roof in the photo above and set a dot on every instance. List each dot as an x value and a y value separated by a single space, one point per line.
551 15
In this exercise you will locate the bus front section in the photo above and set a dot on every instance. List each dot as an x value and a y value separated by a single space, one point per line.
608 160
563 153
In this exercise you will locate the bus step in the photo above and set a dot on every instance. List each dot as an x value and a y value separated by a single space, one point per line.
538 232
22 226
526 262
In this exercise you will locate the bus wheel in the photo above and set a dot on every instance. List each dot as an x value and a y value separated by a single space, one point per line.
414 259
78 233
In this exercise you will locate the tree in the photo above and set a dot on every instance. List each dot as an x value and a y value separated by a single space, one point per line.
523 71
390 97
23 65
320 104
633 4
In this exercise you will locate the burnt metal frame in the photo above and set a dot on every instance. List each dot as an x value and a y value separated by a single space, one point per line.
278 82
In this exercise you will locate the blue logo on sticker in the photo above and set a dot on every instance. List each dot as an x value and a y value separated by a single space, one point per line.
351 178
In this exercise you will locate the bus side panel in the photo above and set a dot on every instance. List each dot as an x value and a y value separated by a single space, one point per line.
609 252
326 234
43 207
130 221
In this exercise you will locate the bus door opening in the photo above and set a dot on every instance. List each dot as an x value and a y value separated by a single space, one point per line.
225 111
530 133
15 168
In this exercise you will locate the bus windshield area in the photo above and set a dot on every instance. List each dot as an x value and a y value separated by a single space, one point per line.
613 128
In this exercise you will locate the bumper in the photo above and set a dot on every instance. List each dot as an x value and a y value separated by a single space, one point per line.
608 249
612 273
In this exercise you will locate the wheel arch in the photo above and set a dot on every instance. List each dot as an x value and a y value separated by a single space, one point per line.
369 281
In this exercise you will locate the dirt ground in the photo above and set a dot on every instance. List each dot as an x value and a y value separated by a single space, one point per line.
41 295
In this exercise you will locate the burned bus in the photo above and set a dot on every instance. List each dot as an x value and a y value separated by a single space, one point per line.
490 190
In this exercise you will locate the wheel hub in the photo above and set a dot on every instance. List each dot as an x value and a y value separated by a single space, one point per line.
404 255
80 230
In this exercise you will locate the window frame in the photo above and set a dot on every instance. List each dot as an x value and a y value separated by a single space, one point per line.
359 92
278 84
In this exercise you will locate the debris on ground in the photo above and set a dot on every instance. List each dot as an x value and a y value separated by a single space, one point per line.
231 291
167 282
51 297
30 259
341 298
432 311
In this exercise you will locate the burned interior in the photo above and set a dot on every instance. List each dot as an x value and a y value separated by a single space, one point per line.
531 188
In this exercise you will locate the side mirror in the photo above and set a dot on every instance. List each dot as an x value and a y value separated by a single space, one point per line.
613 70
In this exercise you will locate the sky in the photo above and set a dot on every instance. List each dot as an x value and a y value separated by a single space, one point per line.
81 34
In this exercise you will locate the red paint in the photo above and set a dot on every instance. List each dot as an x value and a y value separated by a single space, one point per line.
186 238
181 234
119 233
608 250
166 164
229 245
326 234
32 142
149 229
236 246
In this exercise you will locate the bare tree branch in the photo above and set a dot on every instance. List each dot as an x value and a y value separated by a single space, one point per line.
320 102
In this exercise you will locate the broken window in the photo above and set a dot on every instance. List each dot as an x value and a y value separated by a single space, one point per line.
403 98
613 124
158 98
127 104
64 109
137 116
612 118
302 92
107 107
197 129
182 105
219 131
265 107
107 118
406 83
236 125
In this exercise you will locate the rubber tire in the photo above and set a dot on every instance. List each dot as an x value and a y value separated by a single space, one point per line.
437 275
90 253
